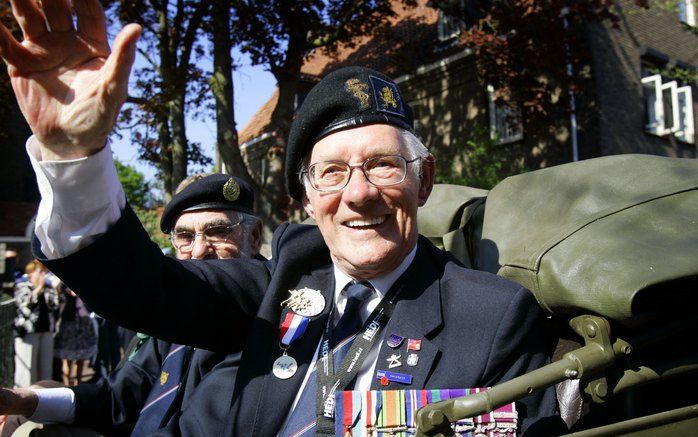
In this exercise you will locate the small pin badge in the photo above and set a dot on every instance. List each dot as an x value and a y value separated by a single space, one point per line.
394 361
394 341
384 381
414 345
412 359
400 378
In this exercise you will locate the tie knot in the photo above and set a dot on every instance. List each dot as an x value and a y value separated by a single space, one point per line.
359 291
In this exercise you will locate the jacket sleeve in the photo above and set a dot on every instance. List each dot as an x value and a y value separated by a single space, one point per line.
521 344
113 403
126 278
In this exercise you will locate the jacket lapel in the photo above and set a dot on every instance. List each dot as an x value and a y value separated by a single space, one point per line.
278 394
417 315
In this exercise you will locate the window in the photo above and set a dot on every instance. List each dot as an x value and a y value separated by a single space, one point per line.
687 11
450 24
669 108
505 122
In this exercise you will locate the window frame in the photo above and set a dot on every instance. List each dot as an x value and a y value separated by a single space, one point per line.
500 119
687 12
659 116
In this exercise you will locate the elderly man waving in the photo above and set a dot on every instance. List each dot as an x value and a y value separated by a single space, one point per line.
344 303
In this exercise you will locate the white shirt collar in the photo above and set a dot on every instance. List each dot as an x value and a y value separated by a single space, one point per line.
381 283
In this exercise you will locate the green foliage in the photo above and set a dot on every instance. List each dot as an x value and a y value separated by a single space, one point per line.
150 218
136 187
485 162
139 196
681 75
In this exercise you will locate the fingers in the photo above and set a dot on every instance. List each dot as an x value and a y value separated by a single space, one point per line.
58 15
29 18
12 52
119 63
91 20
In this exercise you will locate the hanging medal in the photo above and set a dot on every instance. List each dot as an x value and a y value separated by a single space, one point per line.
291 328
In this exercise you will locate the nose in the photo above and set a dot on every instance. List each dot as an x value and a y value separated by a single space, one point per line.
359 189
201 247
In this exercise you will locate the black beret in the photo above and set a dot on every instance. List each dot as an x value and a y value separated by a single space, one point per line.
216 191
346 98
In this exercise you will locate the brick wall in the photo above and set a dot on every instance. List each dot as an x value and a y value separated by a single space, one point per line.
616 71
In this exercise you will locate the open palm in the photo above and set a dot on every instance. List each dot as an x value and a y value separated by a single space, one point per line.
68 85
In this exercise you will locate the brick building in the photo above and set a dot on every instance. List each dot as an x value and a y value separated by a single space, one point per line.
632 104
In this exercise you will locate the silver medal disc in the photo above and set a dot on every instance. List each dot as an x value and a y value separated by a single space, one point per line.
285 367
306 302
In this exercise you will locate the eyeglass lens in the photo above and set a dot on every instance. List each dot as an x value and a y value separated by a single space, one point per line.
379 170
213 235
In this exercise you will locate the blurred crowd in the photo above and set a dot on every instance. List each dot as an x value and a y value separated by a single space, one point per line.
57 337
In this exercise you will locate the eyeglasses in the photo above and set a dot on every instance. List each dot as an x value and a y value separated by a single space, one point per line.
215 235
380 171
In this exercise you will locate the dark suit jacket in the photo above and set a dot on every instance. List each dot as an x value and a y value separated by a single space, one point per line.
477 329
112 405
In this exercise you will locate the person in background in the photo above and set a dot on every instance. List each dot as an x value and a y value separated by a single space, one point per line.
37 300
210 217
75 341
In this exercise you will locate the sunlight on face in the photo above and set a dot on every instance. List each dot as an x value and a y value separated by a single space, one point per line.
369 230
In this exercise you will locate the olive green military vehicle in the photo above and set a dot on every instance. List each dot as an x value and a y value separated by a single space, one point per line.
609 248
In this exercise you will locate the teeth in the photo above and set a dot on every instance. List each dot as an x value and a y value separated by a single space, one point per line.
365 222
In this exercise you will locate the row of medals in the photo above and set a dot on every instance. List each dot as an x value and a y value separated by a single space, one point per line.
305 302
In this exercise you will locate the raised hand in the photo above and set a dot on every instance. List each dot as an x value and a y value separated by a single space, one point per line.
68 85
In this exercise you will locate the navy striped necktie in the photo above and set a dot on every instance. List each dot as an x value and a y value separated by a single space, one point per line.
302 419
163 392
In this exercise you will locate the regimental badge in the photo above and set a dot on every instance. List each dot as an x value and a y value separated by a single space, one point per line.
305 302
231 190
163 378
359 90
387 96
412 359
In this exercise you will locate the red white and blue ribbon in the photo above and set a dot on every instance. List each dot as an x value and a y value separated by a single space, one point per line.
292 327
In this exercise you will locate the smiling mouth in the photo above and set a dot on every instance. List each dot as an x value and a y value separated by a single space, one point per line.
366 222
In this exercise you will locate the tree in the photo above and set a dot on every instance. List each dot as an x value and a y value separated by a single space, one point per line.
140 197
530 51
136 187
279 35
169 85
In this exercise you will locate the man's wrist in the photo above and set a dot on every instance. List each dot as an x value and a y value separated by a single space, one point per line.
68 152
19 401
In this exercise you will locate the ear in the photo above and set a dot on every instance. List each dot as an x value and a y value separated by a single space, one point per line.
256 238
426 181
308 206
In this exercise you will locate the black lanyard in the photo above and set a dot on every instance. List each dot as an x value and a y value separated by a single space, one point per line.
328 382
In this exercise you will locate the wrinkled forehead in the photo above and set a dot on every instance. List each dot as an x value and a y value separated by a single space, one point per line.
358 144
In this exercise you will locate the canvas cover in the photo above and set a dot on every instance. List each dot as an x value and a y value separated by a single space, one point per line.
616 236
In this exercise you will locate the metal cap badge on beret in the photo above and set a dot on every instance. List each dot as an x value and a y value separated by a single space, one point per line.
216 191
346 98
